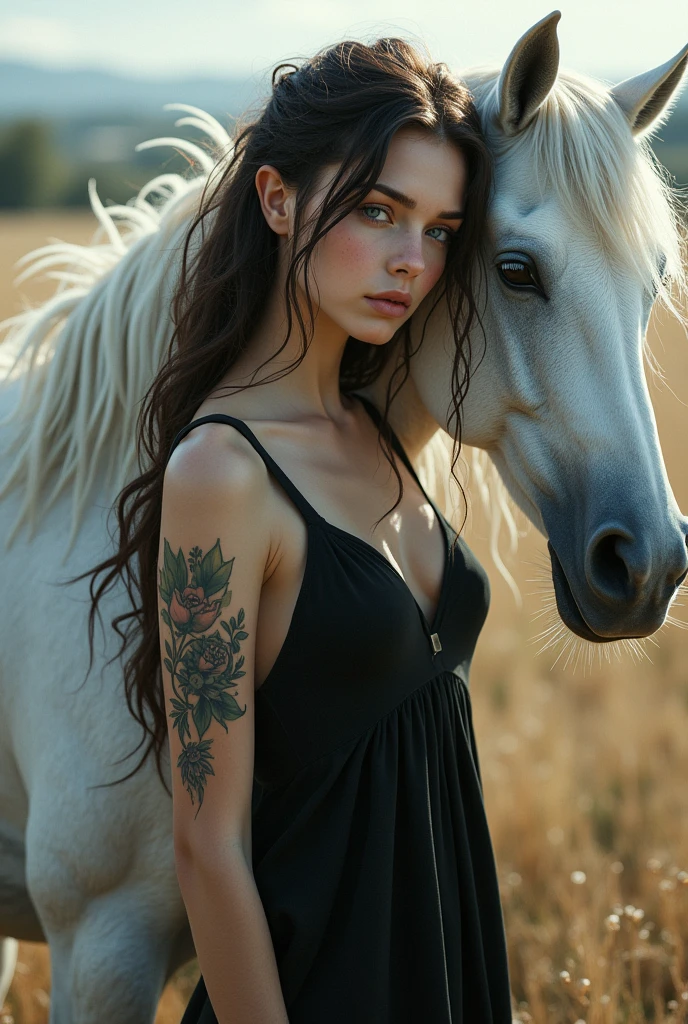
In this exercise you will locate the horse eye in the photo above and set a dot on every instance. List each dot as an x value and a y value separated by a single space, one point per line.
516 273
519 271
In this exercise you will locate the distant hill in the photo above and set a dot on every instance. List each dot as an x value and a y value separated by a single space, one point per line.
58 128
28 90
35 91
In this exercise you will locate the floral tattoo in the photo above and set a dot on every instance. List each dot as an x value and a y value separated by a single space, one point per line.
203 666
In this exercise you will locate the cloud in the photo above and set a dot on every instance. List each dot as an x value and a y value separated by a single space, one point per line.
44 40
229 37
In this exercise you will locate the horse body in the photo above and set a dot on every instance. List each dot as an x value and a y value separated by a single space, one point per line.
559 402
89 870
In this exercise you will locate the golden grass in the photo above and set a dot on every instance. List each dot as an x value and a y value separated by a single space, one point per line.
584 772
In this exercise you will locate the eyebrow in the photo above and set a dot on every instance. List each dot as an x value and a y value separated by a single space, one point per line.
411 204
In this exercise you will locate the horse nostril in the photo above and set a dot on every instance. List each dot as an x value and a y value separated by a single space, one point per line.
620 568
606 568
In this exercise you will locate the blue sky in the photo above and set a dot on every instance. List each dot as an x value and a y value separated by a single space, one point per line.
609 38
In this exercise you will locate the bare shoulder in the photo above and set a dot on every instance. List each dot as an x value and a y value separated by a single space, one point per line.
215 537
215 460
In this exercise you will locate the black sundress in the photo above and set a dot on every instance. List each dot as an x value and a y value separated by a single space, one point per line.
371 850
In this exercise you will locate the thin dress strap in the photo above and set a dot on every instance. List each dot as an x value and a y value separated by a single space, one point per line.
304 507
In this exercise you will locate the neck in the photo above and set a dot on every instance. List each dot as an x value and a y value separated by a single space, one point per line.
311 389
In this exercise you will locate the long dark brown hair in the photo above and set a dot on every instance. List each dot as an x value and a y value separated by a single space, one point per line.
342 107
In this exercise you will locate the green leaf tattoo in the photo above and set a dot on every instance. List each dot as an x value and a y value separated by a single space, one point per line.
203 667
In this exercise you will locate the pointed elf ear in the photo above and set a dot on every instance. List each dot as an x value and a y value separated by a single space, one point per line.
528 75
646 100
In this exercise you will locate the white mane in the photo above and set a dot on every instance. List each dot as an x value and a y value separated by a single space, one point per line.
87 356
80 355
84 371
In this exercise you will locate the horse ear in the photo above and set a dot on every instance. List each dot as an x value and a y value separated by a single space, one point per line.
528 75
647 99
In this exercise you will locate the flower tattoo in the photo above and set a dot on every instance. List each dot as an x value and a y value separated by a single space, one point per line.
191 611
203 667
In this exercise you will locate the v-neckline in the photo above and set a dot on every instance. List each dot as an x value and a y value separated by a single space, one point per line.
312 515
430 626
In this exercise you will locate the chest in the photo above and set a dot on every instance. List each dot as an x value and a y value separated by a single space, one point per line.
357 645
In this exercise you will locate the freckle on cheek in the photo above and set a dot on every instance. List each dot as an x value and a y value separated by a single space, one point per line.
353 250
347 248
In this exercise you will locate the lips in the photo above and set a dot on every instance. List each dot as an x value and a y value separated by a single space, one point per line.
567 605
393 296
394 304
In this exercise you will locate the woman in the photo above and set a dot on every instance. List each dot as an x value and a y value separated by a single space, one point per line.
330 838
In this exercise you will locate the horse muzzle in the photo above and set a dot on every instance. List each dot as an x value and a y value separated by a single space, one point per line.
624 593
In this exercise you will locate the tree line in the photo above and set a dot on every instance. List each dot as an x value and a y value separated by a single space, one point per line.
36 172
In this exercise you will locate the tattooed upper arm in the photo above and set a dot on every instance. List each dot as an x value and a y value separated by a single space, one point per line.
214 545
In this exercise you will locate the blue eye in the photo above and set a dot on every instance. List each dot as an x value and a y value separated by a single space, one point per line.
448 235
375 211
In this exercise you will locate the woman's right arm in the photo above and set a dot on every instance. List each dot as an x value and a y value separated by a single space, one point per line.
214 547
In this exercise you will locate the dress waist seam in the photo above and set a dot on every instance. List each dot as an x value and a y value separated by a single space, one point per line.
352 740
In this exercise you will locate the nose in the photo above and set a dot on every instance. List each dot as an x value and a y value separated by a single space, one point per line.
618 567
409 260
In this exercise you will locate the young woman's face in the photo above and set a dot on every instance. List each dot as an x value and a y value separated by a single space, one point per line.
373 269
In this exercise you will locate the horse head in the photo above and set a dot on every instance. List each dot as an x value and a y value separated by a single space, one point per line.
582 239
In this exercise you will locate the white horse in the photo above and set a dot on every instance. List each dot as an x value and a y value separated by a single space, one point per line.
582 237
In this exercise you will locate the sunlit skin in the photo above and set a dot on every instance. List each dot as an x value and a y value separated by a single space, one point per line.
387 245
396 240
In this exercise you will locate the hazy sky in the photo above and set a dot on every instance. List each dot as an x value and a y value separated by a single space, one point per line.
610 38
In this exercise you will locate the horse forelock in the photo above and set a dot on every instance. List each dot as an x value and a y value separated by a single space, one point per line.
582 150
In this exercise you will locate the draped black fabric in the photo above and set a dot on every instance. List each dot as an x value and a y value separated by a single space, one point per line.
371 850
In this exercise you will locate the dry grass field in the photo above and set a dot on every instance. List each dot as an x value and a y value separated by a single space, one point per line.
585 777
